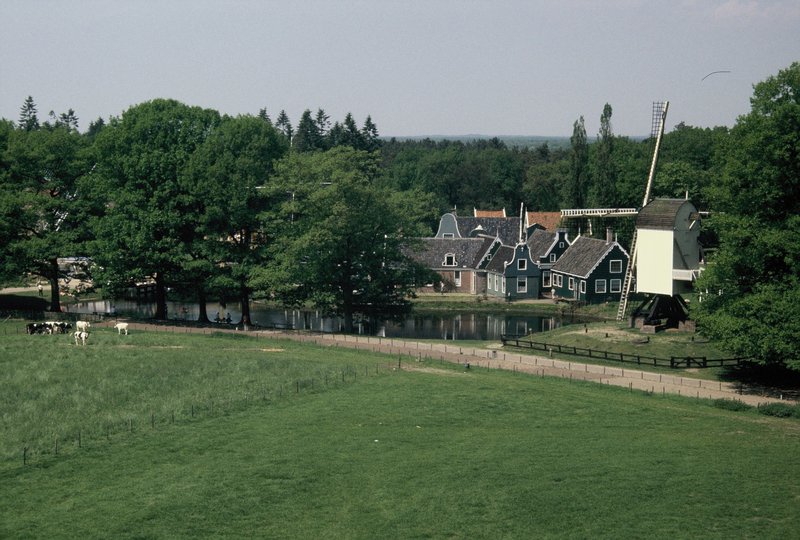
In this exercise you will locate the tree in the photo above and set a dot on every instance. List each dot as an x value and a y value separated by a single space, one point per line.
343 249
28 119
308 137
228 181
753 279
577 187
42 202
262 114
369 134
604 192
284 125
144 230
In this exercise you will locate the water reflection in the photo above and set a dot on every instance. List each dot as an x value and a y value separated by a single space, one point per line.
451 326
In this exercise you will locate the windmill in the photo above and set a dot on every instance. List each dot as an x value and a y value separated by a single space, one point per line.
668 229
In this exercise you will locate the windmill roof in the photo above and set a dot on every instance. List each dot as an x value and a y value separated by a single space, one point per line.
660 214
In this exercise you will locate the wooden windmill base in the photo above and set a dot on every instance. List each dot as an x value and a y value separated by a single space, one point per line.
660 312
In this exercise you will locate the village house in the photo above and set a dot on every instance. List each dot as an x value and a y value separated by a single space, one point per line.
590 270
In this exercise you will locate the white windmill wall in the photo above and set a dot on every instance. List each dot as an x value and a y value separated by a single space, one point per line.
654 260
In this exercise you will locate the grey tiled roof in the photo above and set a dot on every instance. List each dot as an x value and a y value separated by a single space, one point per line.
504 255
582 256
468 251
505 228
540 241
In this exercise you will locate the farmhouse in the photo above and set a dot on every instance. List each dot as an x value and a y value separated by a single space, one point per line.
590 270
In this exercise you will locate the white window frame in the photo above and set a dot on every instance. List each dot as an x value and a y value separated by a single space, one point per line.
583 286
522 264
615 286
448 235
600 286
559 280
611 266
503 282
552 257
546 279
561 245
571 284
457 277
452 257
524 282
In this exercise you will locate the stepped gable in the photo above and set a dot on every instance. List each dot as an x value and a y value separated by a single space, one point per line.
540 242
503 256
582 256
468 252
507 229
548 220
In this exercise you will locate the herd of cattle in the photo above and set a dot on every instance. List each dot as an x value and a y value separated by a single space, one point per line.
81 333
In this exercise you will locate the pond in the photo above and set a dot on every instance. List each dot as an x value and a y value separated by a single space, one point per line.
460 325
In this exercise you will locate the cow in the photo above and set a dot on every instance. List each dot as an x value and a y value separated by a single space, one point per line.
121 326
34 328
82 325
81 336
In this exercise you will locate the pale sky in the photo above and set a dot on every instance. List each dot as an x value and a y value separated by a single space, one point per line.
431 67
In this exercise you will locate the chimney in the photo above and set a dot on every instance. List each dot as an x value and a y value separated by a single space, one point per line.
609 235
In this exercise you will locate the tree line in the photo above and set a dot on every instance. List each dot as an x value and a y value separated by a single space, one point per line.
215 205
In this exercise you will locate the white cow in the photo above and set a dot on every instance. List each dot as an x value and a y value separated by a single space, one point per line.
121 326
82 325
81 336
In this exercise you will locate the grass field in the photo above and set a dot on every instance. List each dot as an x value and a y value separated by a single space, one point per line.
428 451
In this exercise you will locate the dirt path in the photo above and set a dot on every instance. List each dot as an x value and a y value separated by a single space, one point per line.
412 351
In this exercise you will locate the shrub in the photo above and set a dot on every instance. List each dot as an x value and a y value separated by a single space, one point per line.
780 410
731 405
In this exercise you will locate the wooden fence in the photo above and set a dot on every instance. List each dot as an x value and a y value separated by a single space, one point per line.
674 362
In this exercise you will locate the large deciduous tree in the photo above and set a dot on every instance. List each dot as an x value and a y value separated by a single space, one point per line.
144 231
228 179
42 203
342 248
753 281
578 185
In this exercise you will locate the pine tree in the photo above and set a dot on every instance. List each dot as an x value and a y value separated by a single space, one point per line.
264 116
28 120
284 125
369 135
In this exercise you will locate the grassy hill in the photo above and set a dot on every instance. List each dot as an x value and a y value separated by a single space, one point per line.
241 437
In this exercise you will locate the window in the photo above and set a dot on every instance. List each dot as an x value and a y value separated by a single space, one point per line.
583 286
522 264
457 278
496 282
522 285
503 281
449 259
615 267
561 244
559 280
616 285
448 235
552 257
600 286
546 278
571 284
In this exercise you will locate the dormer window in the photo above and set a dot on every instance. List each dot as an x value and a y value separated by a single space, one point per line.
449 259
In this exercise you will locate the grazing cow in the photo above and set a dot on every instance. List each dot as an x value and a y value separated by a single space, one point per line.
82 325
81 336
56 327
121 326
34 328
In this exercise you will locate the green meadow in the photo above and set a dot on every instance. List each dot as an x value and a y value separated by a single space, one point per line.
183 436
